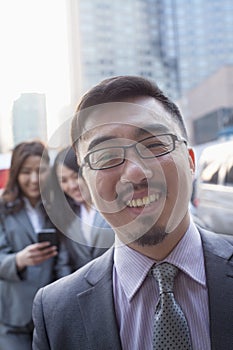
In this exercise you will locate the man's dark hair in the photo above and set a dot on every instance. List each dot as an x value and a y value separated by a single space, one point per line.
119 89
56 200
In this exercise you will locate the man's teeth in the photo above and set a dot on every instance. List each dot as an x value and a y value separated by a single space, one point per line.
140 202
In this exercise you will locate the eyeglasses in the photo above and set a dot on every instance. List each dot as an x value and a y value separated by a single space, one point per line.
150 147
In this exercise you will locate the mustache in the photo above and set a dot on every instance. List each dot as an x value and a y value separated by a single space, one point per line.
130 188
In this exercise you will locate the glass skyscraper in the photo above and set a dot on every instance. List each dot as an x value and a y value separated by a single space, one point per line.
204 38
177 43
29 118
119 38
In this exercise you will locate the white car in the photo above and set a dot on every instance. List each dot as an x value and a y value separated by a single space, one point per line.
214 188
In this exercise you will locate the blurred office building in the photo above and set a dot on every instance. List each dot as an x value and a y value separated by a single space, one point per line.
204 38
177 43
208 108
5 134
128 37
29 118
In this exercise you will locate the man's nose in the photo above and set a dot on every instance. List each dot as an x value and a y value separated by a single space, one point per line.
135 169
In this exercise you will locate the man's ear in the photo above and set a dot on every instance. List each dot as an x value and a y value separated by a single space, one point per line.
192 160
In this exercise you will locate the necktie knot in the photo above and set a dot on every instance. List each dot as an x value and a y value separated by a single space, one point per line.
165 274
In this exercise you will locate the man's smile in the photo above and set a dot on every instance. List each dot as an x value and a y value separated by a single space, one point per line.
144 201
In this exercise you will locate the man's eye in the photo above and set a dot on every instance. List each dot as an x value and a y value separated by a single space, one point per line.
156 144
107 157
156 147
103 159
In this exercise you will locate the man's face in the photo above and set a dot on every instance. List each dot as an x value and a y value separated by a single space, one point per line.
143 199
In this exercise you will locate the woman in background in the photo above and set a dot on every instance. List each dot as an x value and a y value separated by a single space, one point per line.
86 233
25 264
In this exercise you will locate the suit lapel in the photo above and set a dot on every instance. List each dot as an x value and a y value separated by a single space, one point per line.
23 220
218 256
97 306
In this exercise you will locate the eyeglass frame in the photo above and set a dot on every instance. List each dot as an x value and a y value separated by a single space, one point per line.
175 139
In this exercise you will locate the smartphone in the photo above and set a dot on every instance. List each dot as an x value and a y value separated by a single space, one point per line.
48 234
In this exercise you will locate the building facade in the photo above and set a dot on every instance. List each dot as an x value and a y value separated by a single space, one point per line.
29 118
110 38
177 43
208 107
204 38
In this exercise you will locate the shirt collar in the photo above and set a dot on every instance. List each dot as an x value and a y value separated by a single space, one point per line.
28 205
132 267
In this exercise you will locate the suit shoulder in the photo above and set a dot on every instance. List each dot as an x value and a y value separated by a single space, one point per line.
217 243
216 236
73 281
80 280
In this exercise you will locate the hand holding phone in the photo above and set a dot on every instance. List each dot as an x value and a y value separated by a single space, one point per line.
34 254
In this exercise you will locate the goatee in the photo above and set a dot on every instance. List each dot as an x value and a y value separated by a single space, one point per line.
153 236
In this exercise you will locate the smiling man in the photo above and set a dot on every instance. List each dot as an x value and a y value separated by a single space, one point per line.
161 285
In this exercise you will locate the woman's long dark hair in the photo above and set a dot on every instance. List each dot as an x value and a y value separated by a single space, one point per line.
61 208
12 196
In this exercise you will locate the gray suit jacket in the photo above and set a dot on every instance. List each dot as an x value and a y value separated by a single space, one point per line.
17 291
82 305
101 238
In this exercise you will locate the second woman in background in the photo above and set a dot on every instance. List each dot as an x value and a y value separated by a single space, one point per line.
86 233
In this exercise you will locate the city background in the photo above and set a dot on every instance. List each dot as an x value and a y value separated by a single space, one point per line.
54 50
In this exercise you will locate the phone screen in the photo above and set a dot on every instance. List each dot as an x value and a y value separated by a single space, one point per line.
49 235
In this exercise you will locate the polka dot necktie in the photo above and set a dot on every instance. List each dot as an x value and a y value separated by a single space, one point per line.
171 330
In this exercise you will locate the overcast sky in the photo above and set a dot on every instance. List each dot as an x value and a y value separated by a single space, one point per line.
34 55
